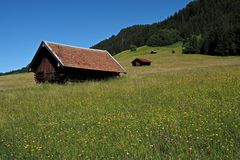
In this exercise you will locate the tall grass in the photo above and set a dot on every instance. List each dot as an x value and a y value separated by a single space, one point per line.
180 114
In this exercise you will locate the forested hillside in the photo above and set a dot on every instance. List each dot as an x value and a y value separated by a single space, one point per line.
205 26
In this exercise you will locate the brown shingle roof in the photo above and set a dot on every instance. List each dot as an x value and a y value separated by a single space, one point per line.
143 60
75 57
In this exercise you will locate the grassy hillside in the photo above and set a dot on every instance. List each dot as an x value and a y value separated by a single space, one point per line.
183 106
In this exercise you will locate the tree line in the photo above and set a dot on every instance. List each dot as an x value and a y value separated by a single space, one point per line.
22 70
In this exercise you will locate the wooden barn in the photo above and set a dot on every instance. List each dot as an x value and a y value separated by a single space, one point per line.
141 62
60 63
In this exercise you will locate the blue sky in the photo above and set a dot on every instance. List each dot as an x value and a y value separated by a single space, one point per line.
25 23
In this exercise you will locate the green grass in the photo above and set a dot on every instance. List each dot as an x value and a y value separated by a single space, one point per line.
181 107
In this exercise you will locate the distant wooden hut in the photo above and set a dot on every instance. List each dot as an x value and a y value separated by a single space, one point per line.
153 52
55 62
141 62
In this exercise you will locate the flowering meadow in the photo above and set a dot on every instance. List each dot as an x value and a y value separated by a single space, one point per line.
181 107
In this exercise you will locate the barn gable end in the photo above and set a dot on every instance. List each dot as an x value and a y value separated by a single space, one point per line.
45 66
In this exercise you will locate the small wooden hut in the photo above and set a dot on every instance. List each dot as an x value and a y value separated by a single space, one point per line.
60 63
141 62
153 52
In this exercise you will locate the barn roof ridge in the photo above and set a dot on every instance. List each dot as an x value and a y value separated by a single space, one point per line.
75 46
142 59
45 42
